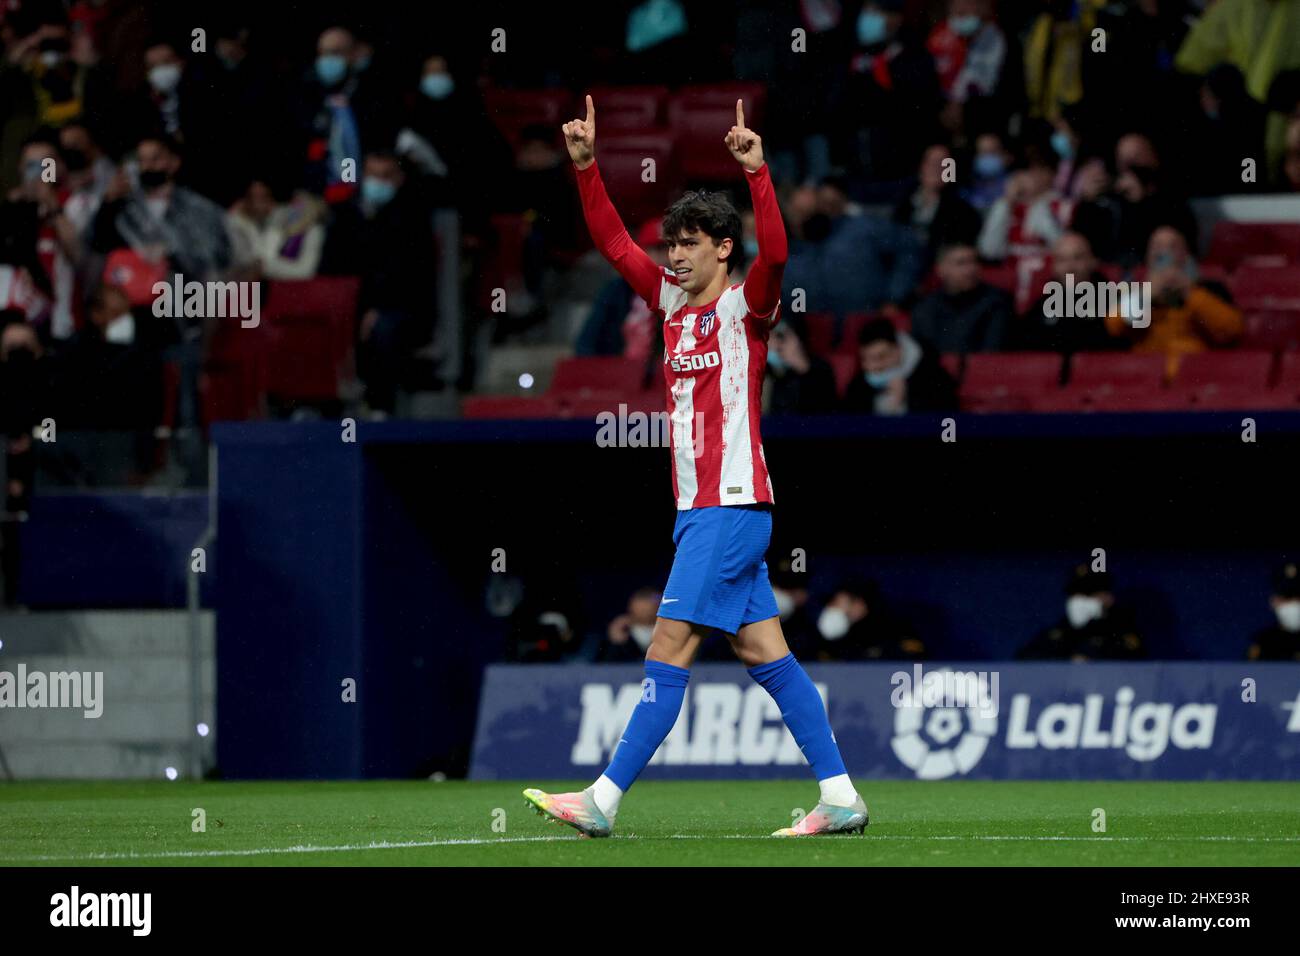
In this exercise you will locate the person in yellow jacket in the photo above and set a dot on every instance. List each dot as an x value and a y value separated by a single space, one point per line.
1259 37
1187 315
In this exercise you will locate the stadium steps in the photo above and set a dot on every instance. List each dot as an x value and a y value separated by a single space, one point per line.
145 726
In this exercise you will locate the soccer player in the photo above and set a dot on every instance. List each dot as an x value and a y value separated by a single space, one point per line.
715 336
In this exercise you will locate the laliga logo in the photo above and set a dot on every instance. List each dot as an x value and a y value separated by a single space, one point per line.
943 721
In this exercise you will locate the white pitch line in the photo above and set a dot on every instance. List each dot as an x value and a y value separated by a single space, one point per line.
472 841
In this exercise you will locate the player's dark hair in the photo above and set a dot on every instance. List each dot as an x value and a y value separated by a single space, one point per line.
711 213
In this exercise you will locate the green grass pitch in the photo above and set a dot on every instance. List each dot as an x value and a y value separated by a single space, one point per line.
396 823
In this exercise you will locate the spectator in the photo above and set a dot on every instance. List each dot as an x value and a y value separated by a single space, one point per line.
968 50
989 171
1145 200
1188 314
620 323
25 394
935 208
1226 130
1042 331
385 236
856 625
90 170
800 383
845 261
892 97
278 240
1093 627
965 314
1055 49
790 588
898 376
1028 218
161 221
627 638
1281 641
1290 178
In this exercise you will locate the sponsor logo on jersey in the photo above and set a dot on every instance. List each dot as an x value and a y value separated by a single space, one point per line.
694 363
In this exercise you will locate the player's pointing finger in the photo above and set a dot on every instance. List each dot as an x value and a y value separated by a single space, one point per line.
591 110
740 113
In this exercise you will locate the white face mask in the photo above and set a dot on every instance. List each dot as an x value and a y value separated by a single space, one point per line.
1080 609
641 633
784 603
121 331
164 77
833 623
1288 615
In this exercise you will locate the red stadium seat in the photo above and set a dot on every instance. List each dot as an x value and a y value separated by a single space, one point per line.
726 94
1274 331
1205 374
952 363
585 376
701 116
232 386
1288 378
844 367
1236 243
821 332
1003 382
622 166
626 108
512 110
509 406
1258 288
1115 371
309 336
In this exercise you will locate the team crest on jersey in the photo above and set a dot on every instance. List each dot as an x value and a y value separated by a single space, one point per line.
706 322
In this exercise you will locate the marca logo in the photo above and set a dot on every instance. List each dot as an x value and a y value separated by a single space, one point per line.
719 725
949 740
693 363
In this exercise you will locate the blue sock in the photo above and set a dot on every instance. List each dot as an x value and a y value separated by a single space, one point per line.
803 712
650 724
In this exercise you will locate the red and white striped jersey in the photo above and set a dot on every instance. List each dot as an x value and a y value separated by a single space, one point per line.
715 353
714 359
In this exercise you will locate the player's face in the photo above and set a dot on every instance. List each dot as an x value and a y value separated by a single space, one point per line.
696 259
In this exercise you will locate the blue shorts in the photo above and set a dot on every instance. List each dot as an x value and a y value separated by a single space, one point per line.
719 576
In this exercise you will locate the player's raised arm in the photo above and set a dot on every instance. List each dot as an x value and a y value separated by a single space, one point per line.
607 229
763 284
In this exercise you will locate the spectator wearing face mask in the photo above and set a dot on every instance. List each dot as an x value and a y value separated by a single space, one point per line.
1281 641
990 167
1188 314
898 375
857 625
385 235
935 209
46 80
1093 627
968 50
799 382
1145 199
1027 219
627 638
965 314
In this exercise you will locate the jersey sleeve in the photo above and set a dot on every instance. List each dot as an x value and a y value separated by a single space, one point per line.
611 238
762 287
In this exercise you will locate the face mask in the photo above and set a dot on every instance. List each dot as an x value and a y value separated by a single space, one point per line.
437 86
785 603
964 26
1081 609
1062 145
164 77
51 59
833 623
881 379
153 178
989 166
751 248
641 633
121 331
871 27
377 192
1288 616
774 361
32 170
331 69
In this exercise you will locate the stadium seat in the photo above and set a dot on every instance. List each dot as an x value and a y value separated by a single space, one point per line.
702 115
1007 381
844 367
1233 244
1205 374
1288 378
626 108
821 332
310 332
232 385
510 406
1273 331
952 363
622 158
601 376
1271 289
512 110
1117 371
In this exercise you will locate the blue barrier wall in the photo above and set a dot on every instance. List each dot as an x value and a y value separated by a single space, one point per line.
1098 721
